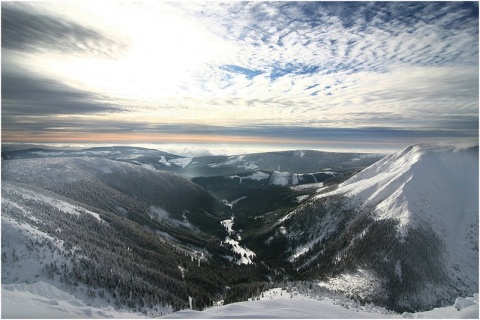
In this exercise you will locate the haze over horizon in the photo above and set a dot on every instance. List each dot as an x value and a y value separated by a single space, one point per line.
357 76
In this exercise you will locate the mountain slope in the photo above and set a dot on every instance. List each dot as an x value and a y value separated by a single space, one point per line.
129 190
97 256
428 187
402 232
114 234
420 184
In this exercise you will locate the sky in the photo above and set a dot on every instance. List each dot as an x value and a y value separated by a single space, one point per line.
360 76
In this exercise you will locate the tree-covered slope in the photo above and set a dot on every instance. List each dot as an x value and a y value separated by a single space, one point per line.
403 232
129 190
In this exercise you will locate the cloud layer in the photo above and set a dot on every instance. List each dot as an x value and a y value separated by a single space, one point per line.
289 70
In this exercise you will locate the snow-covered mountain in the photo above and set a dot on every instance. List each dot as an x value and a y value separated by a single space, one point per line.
105 233
427 186
404 230
422 184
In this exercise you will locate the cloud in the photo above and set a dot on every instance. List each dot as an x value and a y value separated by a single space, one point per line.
25 95
246 68
26 29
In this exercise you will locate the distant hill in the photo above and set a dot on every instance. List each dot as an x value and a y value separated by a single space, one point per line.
299 162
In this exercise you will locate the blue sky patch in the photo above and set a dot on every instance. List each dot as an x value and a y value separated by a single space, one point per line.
249 73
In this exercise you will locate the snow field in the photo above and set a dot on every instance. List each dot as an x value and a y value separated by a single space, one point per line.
44 301
246 255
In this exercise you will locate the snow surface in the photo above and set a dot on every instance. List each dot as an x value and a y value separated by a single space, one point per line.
280 304
160 214
43 300
421 184
361 283
235 160
279 178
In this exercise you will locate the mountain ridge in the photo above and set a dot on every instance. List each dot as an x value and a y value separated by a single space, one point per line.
427 192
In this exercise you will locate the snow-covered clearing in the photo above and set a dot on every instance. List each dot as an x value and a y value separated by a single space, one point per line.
147 165
228 225
246 255
181 162
283 178
231 204
259 175
164 161
160 214
237 161
361 283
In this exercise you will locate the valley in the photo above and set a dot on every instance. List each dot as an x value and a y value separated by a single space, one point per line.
151 233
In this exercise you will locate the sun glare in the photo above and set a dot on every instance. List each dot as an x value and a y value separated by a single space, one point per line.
165 55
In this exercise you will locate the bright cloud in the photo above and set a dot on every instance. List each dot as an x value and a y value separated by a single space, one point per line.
149 65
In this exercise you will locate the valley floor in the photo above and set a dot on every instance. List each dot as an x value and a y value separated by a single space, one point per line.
42 300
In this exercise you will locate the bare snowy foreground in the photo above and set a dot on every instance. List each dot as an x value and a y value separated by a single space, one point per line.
44 301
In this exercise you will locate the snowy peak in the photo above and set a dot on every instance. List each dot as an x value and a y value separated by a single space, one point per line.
417 213
420 184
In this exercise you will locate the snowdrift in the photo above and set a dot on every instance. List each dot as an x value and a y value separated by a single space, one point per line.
46 301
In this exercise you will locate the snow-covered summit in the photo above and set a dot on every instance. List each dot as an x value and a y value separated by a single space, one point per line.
423 183
426 187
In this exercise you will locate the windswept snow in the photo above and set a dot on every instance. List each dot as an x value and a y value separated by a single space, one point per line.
41 300
421 184
280 304
45 301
